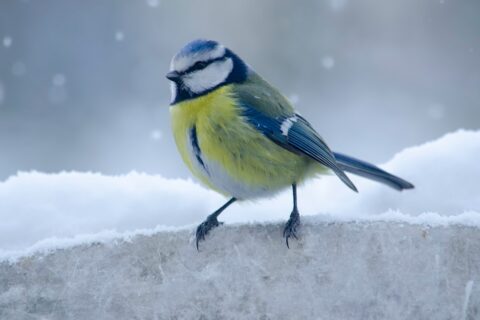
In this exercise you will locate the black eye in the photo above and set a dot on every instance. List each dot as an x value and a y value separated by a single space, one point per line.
200 65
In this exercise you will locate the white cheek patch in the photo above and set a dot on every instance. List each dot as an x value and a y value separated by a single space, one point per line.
208 78
182 63
173 91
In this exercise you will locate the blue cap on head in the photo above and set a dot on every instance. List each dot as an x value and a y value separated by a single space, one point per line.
198 45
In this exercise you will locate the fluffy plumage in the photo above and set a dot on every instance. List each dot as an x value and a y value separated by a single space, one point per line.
241 137
223 133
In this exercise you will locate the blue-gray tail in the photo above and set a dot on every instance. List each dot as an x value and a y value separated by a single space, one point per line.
369 171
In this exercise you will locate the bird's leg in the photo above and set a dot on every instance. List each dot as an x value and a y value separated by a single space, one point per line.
292 224
211 222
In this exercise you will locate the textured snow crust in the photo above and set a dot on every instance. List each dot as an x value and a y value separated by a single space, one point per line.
337 270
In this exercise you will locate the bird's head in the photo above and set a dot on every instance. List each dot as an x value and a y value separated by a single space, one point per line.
201 67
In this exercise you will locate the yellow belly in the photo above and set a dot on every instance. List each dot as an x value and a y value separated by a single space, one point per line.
241 161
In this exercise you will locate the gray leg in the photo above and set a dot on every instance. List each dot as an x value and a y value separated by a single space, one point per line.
292 224
211 222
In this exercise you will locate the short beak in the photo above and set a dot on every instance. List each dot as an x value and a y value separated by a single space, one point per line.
173 76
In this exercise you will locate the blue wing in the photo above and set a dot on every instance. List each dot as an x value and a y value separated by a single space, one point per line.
367 170
294 133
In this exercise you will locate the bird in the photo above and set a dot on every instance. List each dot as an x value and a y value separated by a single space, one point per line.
244 139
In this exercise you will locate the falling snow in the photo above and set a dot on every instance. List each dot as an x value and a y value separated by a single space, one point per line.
156 135
7 42
59 80
153 3
119 36
58 92
328 62
337 5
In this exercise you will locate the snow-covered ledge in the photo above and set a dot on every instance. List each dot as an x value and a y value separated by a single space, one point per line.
362 260
368 269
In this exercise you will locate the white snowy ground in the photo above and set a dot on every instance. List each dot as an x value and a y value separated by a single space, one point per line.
36 206
84 246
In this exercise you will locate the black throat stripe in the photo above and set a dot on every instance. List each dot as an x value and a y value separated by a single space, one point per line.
196 147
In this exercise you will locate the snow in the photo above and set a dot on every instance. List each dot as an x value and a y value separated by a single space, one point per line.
67 204
119 36
84 246
58 92
90 207
468 293
445 173
153 3
59 80
335 271
52 244
156 134
7 41
328 62
337 5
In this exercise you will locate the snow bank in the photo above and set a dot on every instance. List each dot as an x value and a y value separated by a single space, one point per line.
35 206
445 172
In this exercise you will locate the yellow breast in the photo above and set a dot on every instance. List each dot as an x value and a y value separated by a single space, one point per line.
239 160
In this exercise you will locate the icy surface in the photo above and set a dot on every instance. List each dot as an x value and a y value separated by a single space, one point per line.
338 270
35 206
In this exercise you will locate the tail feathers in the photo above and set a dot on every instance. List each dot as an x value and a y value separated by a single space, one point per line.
369 171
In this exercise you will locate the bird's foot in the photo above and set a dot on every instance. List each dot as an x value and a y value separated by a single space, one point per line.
204 228
291 226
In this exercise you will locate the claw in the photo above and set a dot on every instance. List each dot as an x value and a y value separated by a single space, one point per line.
204 228
290 229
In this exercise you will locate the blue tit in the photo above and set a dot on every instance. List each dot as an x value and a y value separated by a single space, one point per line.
241 137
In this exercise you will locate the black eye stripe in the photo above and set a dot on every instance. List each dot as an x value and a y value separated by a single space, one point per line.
201 65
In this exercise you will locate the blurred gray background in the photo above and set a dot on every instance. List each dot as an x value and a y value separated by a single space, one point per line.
82 83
